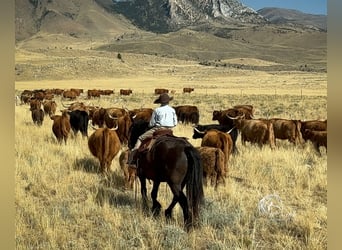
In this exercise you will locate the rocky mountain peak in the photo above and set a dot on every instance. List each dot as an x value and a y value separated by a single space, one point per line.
168 15
227 10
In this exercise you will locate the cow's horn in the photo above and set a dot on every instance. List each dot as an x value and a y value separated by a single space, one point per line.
112 117
116 127
201 132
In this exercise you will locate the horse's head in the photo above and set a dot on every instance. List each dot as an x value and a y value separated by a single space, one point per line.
138 128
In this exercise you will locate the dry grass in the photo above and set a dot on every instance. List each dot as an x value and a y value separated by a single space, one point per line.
62 202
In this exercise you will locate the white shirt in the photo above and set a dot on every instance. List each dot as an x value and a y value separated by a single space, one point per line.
163 116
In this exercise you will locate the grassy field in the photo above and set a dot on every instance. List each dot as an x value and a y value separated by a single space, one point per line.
271 199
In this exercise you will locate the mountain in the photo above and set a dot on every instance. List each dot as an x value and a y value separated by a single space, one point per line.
163 16
207 31
294 18
108 18
78 18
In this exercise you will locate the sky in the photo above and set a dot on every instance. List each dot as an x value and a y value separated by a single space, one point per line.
306 6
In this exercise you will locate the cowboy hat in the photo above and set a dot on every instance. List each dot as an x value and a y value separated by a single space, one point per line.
163 99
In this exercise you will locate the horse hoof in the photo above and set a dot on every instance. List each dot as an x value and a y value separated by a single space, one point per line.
168 215
156 212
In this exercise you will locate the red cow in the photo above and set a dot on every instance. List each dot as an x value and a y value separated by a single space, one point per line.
318 139
287 130
104 144
160 91
213 165
188 90
259 131
315 125
61 126
125 91
221 140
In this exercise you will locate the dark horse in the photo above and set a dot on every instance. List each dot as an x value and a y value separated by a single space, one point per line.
175 161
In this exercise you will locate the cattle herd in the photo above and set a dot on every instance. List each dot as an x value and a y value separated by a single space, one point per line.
218 140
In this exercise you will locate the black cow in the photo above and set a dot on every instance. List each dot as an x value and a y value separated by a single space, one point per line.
79 121
199 131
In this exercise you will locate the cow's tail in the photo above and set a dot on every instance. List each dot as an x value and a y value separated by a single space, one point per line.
105 147
298 134
271 137
226 151
85 125
64 121
194 183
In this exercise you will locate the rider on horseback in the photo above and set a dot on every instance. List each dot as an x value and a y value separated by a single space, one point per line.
162 117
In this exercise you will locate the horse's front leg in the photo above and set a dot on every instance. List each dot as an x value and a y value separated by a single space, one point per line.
156 207
143 191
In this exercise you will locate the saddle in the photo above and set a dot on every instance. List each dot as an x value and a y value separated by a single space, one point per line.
147 143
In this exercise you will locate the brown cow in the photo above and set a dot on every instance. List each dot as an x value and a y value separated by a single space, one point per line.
213 165
107 92
188 90
92 93
76 106
124 123
160 91
222 117
69 94
141 114
187 114
287 130
77 91
129 173
49 96
111 116
316 125
97 117
61 126
259 131
318 139
37 116
125 91
221 140
104 144
39 94
57 91
49 107
25 99
246 109
35 104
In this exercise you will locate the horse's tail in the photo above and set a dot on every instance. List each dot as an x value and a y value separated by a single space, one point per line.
194 183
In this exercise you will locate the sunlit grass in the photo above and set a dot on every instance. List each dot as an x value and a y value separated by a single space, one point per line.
62 202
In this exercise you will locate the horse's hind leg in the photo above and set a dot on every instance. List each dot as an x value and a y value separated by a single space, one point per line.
168 211
183 202
180 197
156 207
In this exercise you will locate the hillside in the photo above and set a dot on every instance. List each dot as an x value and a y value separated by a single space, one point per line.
67 39
294 17
76 18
